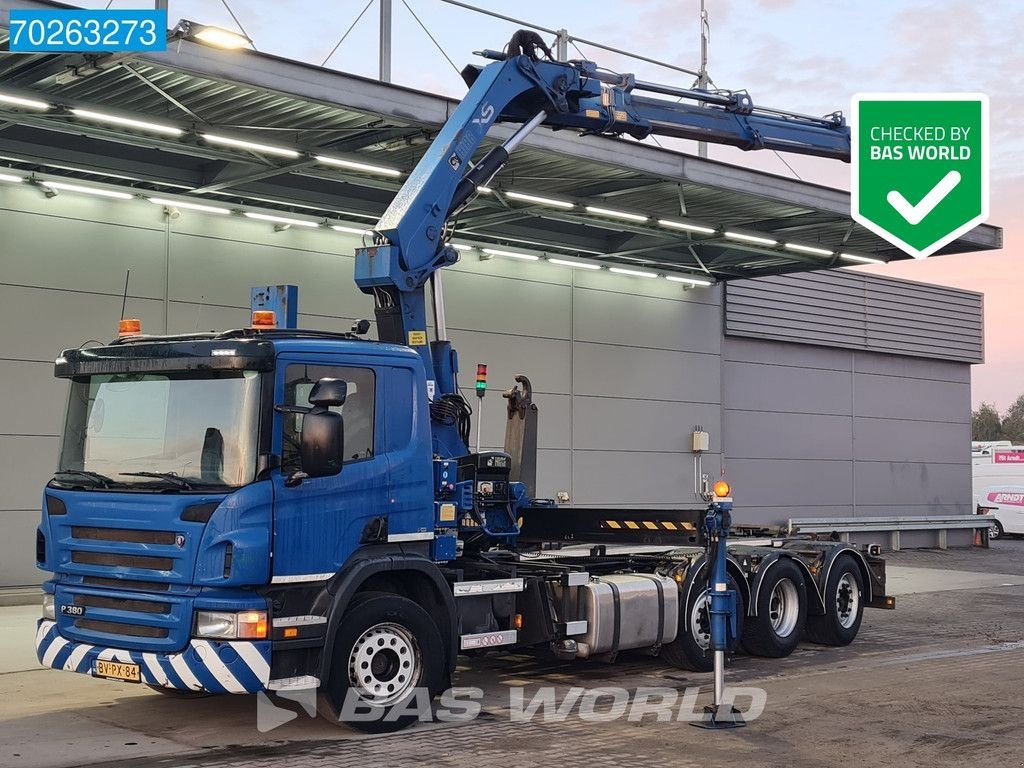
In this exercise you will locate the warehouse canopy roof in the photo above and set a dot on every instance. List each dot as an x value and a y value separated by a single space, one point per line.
208 100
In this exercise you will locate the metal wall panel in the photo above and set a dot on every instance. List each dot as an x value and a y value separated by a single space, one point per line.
854 310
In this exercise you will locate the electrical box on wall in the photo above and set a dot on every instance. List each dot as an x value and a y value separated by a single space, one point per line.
701 440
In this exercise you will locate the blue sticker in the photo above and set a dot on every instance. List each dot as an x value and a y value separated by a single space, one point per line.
83 31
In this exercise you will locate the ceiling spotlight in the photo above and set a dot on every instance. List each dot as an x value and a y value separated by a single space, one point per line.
631 272
280 219
574 264
19 101
750 238
142 125
366 167
688 280
540 200
266 149
686 227
188 206
808 249
613 214
511 254
861 259
210 35
60 185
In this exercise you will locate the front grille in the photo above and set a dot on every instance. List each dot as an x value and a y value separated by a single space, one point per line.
127 535
128 561
143 586
121 604
117 628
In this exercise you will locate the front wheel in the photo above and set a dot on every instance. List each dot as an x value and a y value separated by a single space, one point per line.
781 603
387 665
995 530
844 605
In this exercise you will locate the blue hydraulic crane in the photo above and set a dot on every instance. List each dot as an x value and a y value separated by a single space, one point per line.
410 242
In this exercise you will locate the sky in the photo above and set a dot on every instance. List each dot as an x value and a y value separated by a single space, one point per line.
802 55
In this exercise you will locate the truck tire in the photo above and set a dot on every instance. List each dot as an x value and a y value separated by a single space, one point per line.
781 606
388 663
844 605
691 648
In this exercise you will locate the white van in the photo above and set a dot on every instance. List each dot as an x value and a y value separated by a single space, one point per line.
999 485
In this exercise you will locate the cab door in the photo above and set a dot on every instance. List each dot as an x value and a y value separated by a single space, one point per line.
320 521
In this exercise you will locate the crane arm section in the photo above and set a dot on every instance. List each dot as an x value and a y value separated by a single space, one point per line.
410 240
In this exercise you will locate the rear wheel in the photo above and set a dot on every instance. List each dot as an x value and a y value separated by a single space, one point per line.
781 603
387 665
692 647
844 605
995 530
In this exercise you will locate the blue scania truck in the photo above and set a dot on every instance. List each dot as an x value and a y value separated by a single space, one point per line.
275 509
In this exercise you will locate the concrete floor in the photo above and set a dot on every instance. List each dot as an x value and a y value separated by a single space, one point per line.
936 682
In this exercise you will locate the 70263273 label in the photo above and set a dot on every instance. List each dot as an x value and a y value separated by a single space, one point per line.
87 31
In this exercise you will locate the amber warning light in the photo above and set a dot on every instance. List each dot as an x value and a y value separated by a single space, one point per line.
722 489
264 318
131 326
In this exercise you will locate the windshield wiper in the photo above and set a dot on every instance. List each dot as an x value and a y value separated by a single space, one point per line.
168 476
101 480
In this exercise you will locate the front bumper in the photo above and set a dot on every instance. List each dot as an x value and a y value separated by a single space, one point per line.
206 665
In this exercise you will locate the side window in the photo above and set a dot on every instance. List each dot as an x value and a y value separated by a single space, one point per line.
358 410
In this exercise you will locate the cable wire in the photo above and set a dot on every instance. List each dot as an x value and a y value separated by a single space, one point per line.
351 27
237 22
432 39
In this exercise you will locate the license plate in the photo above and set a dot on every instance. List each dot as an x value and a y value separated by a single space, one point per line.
117 670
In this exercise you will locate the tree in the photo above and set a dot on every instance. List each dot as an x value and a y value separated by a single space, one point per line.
1013 422
986 424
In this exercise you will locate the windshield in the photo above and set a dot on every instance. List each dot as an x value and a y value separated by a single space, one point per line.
191 429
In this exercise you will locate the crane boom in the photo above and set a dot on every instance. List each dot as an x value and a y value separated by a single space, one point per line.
410 240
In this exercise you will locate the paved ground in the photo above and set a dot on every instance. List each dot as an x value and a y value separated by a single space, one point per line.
937 682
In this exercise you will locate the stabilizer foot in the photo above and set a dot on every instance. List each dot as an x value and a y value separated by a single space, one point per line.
720 718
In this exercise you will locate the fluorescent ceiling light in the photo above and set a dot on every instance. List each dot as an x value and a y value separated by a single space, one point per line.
574 264
750 238
615 214
688 280
127 122
18 101
60 185
281 219
349 230
220 38
461 246
540 200
11 179
188 206
631 272
266 149
686 227
861 259
808 249
512 254
368 168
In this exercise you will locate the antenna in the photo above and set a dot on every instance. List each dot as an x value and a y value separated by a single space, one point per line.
124 296
702 73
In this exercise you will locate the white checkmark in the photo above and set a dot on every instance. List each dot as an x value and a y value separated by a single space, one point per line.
916 213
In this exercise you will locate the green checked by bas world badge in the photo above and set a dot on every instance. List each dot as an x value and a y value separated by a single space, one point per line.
920 166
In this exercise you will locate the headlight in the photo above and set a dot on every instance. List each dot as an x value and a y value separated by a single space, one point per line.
225 625
48 610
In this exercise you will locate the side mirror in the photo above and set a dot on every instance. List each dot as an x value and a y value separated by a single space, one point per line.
322 445
328 392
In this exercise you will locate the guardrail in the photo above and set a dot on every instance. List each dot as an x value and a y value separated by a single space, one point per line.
893 526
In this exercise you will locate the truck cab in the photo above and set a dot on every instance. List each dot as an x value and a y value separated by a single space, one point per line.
182 521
